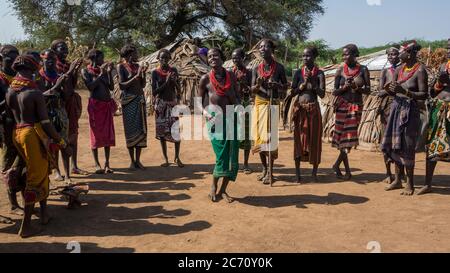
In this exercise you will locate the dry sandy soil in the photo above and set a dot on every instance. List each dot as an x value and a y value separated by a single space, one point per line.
167 209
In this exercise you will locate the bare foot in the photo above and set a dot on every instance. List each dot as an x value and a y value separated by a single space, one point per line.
99 170
139 166
347 177
165 165
68 181
108 170
389 179
247 170
262 176
338 172
179 163
212 197
79 171
425 190
407 191
29 231
58 177
227 198
394 186
314 176
16 211
268 180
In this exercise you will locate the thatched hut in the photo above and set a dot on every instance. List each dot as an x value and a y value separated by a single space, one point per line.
190 68
252 58
189 65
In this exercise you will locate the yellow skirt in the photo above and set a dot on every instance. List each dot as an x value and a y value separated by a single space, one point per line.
260 128
32 143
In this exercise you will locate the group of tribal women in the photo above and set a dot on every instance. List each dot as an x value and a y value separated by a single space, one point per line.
41 107
40 113
404 83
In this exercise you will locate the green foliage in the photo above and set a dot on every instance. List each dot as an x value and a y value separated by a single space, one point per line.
153 24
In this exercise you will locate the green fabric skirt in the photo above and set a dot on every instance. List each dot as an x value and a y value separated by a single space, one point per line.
226 151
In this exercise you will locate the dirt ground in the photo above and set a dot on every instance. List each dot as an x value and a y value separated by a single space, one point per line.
167 209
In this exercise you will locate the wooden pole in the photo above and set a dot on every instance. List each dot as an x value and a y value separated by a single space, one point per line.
429 56
286 52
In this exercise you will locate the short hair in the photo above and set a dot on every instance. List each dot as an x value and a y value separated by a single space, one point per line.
93 53
313 50
222 56
270 42
56 42
46 52
6 49
28 60
353 49
393 47
164 50
240 51
127 50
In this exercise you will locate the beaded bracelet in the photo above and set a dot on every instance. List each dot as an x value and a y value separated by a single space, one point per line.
62 143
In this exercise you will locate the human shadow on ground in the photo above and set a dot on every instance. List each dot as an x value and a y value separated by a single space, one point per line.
114 214
157 173
130 198
100 220
325 176
39 247
301 200
139 186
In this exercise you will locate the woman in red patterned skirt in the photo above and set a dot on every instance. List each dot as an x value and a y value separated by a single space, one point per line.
352 80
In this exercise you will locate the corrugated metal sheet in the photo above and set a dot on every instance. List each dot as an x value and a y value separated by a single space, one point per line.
374 62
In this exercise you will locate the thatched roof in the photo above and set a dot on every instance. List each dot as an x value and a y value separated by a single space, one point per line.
184 58
190 69
252 58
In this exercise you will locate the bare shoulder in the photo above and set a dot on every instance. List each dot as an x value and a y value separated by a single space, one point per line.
422 68
204 79
280 66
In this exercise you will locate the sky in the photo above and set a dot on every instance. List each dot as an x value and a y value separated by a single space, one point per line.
10 27
370 23
364 22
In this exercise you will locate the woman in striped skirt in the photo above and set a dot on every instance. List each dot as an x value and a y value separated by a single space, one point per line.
352 80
